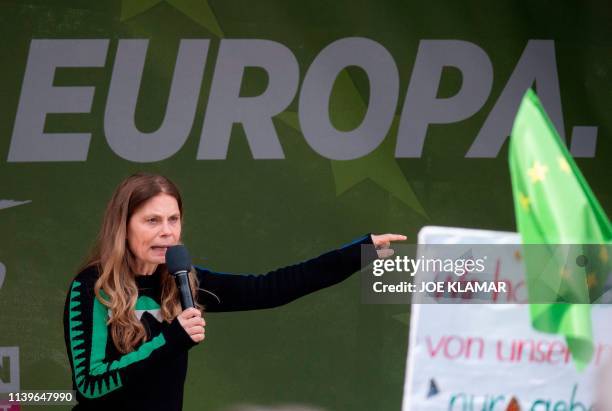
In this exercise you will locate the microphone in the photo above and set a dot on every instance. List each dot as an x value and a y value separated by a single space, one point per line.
179 265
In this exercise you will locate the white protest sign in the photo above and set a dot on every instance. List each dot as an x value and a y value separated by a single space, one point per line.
487 357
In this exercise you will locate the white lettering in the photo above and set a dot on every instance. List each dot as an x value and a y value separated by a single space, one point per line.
226 107
119 123
537 65
318 83
13 363
422 107
39 97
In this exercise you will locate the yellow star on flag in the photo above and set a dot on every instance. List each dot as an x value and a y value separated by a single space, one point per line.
524 200
565 273
591 280
562 197
603 254
537 172
564 165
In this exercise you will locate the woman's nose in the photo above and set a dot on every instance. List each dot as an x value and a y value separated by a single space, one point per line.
166 228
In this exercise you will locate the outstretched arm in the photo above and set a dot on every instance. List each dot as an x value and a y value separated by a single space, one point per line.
236 292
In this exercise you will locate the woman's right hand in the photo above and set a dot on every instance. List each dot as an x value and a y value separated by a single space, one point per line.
192 322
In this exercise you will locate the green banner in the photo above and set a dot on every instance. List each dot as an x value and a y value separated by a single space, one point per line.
291 128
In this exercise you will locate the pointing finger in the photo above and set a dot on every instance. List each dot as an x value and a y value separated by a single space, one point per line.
395 237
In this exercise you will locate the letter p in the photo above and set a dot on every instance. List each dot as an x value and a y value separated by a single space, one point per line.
422 107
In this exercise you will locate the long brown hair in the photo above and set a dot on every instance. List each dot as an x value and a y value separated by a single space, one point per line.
116 287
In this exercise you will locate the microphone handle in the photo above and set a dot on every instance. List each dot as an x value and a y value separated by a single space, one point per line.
184 288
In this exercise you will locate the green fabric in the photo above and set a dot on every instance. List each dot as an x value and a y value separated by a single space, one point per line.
145 303
99 337
554 205
110 379
98 347
142 353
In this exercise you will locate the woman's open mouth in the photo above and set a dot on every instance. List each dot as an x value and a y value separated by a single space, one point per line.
160 249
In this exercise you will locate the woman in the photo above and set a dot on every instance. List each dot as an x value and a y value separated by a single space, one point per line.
126 335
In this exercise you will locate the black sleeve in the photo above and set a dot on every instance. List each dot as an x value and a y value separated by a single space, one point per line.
86 335
238 292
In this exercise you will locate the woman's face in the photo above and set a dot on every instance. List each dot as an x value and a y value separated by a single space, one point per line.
153 227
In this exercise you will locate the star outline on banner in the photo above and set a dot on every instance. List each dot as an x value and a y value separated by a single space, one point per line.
379 166
197 10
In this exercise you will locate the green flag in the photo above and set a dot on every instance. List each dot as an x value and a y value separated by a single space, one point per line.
554 205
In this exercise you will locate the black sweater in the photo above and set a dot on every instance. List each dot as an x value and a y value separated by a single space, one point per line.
152 376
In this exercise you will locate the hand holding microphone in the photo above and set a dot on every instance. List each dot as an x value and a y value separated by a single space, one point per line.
192 322
179 265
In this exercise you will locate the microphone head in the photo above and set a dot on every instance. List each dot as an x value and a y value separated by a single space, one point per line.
177 259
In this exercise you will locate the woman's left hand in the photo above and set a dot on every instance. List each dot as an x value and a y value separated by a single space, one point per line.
382 243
